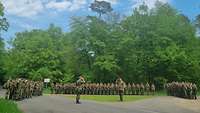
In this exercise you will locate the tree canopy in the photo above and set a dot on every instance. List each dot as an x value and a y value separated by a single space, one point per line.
3 27
152 45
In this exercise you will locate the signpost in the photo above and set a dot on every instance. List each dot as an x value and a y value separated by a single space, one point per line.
46 81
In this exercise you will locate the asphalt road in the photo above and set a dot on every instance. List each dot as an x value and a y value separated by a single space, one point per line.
62 104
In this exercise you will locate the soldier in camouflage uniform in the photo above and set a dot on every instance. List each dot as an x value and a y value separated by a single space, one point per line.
21 88
129 89
153 89
121 85
112 89
189 91
142 89
194 91
133 89
79 84
137 89
147 87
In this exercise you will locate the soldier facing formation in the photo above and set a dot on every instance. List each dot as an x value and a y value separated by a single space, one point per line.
121 85
79 88
182 89
20 89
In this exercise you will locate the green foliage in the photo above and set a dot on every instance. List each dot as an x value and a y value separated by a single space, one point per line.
3 27
3 22
8 107
101 7
156 45
39 54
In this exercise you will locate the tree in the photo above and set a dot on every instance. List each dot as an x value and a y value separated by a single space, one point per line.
3 22
3 27
101 7
39 54
155 45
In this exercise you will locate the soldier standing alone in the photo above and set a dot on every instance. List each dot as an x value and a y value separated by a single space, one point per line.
120 87
79 83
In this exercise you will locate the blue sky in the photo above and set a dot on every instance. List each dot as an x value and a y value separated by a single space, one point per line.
38 14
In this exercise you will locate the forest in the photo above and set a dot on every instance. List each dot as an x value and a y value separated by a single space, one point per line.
157 45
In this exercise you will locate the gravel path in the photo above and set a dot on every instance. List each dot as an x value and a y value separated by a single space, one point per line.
62 104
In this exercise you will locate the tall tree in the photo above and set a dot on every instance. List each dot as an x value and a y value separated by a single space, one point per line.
101 7
3 27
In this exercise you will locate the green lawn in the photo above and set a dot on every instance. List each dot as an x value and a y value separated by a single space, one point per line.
161 93
46 91
8 106
111 98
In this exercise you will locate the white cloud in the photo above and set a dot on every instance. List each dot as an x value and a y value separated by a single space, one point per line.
25 8
30 8
60 6
28 26
77 4
149 3
111 1
66 5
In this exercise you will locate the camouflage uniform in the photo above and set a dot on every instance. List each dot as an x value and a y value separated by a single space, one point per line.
194 91
147 87
79 83
133 89
153 89
120 87
142 88
137 89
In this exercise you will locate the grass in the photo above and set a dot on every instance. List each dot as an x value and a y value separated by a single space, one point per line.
161 93
7 106
111 98
46 91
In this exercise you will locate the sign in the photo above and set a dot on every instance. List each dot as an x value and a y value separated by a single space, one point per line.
47 80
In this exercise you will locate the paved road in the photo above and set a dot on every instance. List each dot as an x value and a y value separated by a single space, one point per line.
62 104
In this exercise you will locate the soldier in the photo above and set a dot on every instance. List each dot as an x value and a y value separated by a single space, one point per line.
183 89
120 87
153 89
194 91
104 89
167 88
109 89
137 89
112 89
189 91
142 88
133 89
79 83
8 91
96 88
100 89
129 89
147 87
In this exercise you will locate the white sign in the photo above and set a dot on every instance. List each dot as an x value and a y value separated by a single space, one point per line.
47 80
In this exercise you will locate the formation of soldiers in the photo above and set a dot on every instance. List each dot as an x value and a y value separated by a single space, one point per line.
103 89
182 89
20 89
